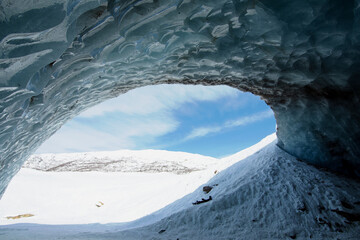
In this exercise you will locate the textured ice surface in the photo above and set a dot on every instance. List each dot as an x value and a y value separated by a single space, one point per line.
57 58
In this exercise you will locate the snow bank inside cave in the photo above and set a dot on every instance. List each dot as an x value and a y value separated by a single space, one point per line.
267 195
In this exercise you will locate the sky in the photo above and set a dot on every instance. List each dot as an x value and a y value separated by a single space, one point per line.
209 120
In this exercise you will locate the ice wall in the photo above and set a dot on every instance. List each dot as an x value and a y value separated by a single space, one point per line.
301 56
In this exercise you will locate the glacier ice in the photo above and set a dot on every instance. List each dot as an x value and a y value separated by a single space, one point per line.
60 57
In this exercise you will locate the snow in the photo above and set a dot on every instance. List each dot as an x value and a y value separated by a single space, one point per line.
121 161
267 195
57 188
71 198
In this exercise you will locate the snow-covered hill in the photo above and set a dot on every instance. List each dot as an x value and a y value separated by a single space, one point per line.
133 183
267 195
150 161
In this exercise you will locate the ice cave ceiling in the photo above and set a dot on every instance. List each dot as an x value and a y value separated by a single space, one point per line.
302 57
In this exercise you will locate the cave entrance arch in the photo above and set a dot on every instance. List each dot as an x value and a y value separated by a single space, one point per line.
94 195
95 50
209 120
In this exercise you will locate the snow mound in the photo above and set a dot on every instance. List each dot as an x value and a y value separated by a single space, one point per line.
121 161
269 195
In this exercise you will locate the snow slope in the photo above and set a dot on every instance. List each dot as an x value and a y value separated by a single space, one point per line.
74 186
71 198
133 183
268 195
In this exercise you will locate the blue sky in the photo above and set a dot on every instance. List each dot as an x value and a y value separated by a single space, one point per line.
214 121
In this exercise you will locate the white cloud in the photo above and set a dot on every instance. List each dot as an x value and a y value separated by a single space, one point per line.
152 99
137 118
77 137
203 131
249 119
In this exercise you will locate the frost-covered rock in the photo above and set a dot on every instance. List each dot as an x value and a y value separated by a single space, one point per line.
60 57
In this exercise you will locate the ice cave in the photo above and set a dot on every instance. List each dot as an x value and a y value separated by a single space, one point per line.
302 58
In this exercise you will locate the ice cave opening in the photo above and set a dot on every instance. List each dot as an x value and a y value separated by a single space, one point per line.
180 134
58 58
209 120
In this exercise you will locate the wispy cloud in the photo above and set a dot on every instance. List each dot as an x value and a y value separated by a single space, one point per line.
75 137
127 134
152 99
130 121
249 119
243 121
202 131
